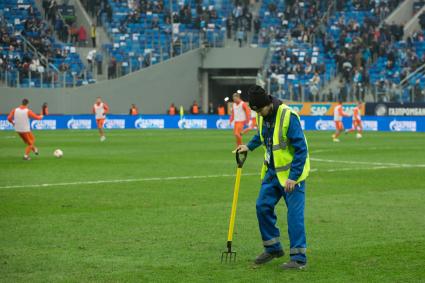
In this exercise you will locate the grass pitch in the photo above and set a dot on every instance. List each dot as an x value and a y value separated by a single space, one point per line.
154 206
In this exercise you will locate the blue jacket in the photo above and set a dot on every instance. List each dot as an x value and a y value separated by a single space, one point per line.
295 136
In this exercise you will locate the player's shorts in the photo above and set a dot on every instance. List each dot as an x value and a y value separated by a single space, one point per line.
357 123
339 126
100 123
27 137
237 130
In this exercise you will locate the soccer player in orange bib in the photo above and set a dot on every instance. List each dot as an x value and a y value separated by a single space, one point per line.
19 118
339 127
357 121
100 109
240 115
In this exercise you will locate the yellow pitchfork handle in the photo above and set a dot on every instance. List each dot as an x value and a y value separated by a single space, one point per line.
240 160
234 204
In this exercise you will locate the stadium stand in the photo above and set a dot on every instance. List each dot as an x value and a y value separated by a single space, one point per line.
312 43
346 42
146 33
30 53
298 53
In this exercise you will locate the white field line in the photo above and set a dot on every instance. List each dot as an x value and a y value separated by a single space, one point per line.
122 181
367 163
183 178
357 169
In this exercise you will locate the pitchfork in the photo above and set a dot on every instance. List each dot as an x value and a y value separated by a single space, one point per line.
229 255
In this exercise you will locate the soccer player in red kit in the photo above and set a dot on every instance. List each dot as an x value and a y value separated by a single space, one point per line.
100 109
20 119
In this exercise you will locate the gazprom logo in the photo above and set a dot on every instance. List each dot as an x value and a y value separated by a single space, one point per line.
403 126
370 125
223 124
149 123
79 124
114 124
43 124
325 125
5 125
192 123
319 109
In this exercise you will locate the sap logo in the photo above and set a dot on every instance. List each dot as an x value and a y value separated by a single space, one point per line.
223 124
403 126
348 108
302 124
79 124
370 125
43 124
114 124
325 125
149 123
192 123
296 107
5 125
319 109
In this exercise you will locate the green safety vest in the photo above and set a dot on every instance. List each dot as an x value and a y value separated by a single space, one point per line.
283 152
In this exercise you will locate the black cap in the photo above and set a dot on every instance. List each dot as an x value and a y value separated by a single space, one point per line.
258 97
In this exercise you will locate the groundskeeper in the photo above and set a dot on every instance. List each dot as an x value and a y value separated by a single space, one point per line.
285 168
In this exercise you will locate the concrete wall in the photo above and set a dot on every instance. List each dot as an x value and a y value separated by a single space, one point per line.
234 58
151 89
178 80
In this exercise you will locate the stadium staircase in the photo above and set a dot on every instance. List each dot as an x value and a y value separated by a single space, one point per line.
84 19
101 38
255 10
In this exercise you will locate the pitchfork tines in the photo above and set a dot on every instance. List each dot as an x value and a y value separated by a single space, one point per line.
228 256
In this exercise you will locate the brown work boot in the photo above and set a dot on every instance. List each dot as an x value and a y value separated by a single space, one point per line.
266 257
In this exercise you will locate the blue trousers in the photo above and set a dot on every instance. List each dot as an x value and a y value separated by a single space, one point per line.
270 193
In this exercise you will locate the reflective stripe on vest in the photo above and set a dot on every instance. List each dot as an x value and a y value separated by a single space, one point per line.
283 168
282 144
